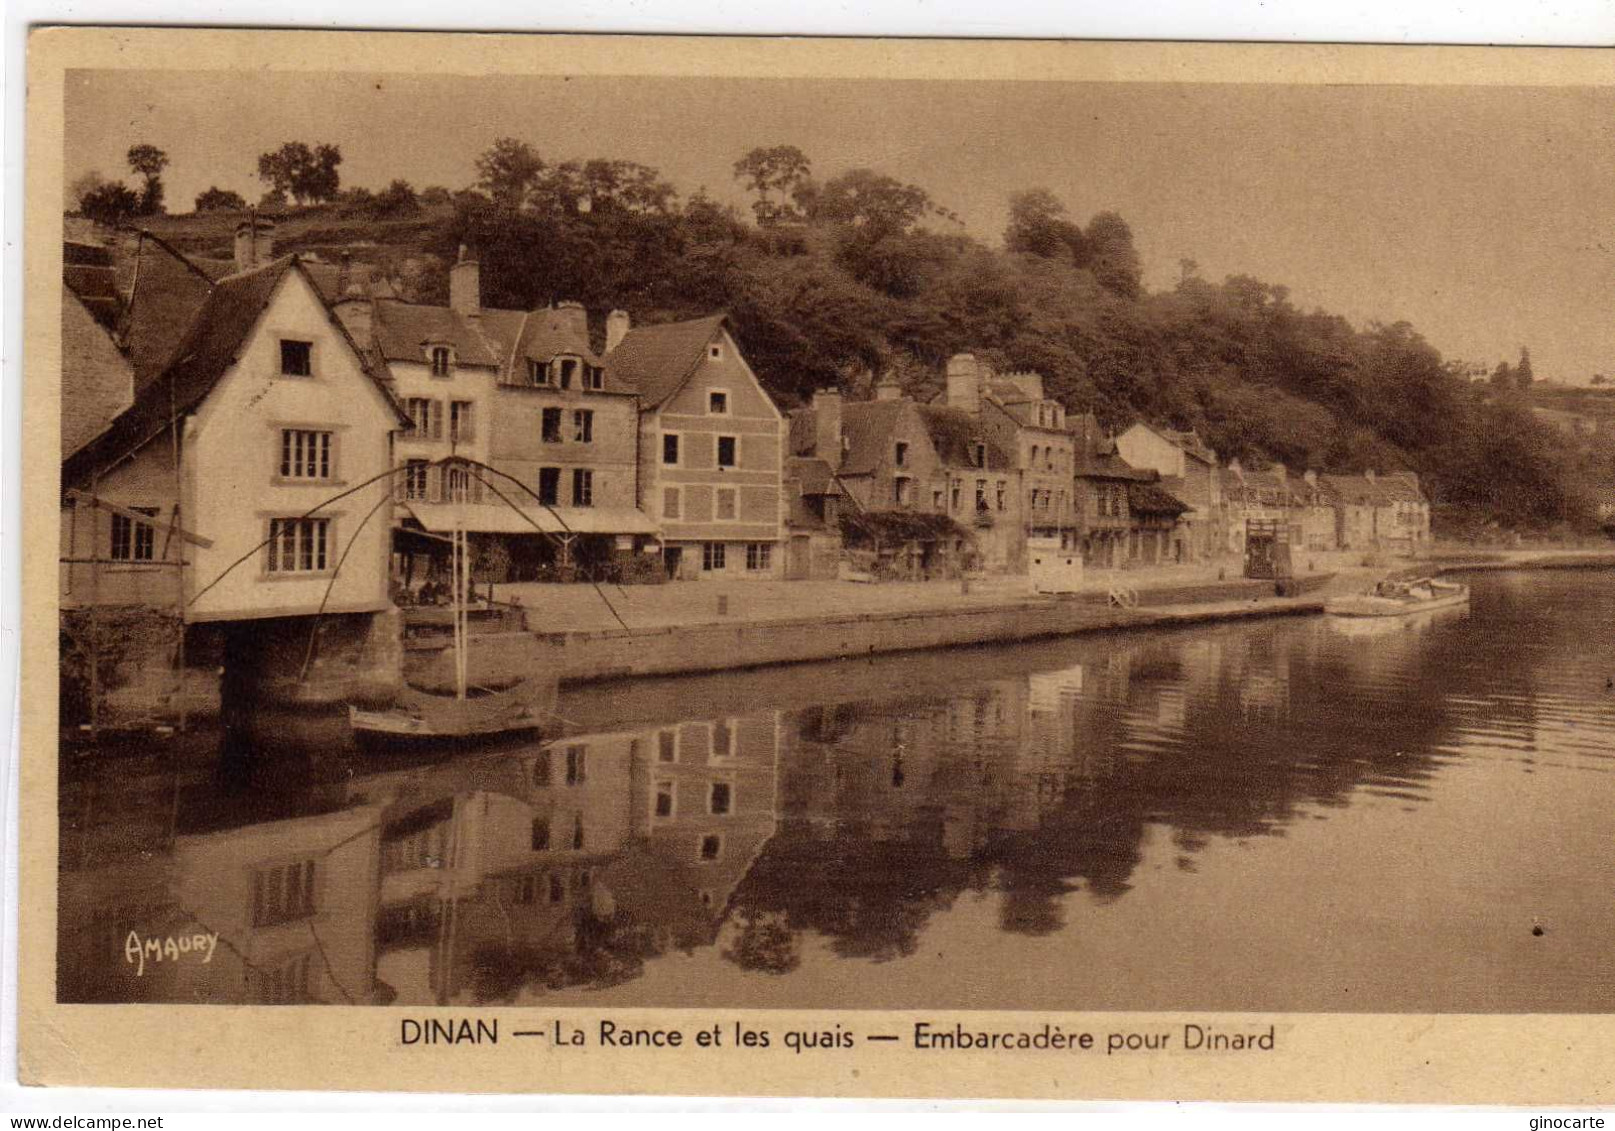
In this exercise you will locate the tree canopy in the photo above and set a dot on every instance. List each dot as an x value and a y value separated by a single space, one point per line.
306 174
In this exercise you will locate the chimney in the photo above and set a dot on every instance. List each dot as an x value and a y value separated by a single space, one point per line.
255 242
465 284
889 389
964 383
827 426
617 326
575 318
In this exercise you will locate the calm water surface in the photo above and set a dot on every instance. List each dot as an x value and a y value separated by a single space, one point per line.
1297 814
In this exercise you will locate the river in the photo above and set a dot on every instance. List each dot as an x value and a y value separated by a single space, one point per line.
1290 814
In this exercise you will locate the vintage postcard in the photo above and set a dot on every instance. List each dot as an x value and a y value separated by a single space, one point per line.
842 568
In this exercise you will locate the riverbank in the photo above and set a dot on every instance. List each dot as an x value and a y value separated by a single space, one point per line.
707 646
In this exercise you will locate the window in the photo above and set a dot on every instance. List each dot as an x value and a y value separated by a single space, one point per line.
594 378
552 426
671 498
461 430
582 487
134 541
726 451
981 455
715 351
285 984
583 426
549 486
666 799
415 476
541 770
304 454
425 418
711 846
296 358
725 504
442 361
981 494
937 500
538 372
297 545
718 403
577 765
670 448
283 894
720 799
667 746
903 489
712 556
958 485
1000 494
1033 461
557 889
569 370
457 485
759 556
723 740
577 841
900 456
541 834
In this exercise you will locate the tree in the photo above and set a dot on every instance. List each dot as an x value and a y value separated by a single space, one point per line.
781 169
508 170
1599 379
433 196
216 199
876 204
149 162
1113 258
1037 226
83 185
1503 377
1522 372
397 199
306 174
111 204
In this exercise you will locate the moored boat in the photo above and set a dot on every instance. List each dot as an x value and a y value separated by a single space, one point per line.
1400 598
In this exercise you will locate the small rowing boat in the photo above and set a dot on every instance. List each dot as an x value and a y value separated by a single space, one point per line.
1400 598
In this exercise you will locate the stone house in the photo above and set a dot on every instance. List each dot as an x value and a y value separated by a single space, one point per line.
1101 479
1402 512
552 485
814 497
1355 501
711 446
1188 469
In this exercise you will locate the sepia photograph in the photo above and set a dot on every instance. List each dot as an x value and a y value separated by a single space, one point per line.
622 541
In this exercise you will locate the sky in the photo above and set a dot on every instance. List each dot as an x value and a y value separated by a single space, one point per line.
1483 216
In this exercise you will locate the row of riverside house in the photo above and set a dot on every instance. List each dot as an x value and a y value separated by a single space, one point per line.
263 437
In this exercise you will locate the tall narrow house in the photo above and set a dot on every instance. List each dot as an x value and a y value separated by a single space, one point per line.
711 445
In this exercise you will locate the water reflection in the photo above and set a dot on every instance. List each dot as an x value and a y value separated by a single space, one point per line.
806 826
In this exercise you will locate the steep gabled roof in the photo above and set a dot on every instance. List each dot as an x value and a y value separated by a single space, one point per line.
547 334
1355 490
866 430
403 331
210 346
815 476
655 361
1400 486
955 433
165 297
1152 498
88 271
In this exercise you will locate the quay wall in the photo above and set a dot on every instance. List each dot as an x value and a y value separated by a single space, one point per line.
621 654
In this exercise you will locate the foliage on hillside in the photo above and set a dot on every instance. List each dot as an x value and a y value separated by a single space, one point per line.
830 282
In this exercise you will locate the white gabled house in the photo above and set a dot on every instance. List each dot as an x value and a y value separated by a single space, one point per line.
231 467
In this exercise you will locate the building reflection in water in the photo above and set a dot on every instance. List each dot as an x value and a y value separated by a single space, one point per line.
820 811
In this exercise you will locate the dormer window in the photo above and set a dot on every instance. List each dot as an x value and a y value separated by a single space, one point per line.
980 454
569 371
900 457
442 361
594 378
538 372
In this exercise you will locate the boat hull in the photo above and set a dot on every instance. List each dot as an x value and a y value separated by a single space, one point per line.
1371 606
